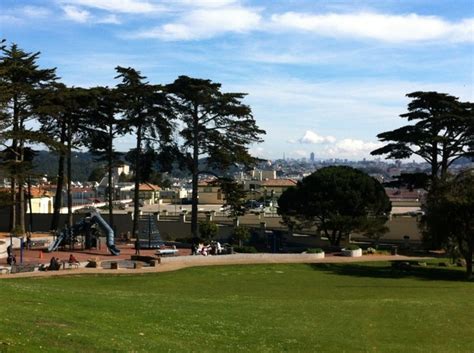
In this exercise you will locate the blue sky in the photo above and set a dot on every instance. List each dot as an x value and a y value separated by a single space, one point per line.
321 76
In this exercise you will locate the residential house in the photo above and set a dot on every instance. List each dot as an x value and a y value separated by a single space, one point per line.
210 193
41 201
149 193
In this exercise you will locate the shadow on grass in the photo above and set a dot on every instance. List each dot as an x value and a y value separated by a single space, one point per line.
385 270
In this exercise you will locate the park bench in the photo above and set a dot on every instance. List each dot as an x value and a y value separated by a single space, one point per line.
167 252
20 268
69 264
38 244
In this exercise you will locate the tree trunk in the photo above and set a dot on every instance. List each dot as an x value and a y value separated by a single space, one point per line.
195 172
21 211
469 260
21 190
13 204
69 178
59 183
444 162
469 267
434 159
111 187
13 180
30 225
136 194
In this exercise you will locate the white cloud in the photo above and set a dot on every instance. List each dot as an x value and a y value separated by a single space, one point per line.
21 15
121 6
76 14
383 27
110 19
300 153
35 11
313 138
205 23
10 19
351 148
202 3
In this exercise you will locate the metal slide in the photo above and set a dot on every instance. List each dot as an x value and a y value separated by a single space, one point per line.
54 246
84 226
97 218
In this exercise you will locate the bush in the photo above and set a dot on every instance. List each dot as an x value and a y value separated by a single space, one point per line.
245 249
371 251
315 251
207 230
241 234
352 247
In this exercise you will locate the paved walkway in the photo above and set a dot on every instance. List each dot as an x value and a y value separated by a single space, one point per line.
180 262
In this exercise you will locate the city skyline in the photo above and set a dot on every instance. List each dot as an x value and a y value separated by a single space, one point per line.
323 77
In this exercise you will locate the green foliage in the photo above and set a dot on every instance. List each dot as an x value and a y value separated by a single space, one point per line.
22 86
146 112
208 230
315 251
240 235
352 247
235 196
338 200
449 217
245 249
97 174
215 124
442 133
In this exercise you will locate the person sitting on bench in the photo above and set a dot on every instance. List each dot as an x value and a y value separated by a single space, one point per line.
54 264
72 260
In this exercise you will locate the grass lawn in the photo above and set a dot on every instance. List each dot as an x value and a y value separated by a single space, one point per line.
251 308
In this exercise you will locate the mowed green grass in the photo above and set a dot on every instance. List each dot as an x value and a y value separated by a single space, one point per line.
249 308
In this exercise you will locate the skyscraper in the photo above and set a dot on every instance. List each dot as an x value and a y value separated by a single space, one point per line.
311 157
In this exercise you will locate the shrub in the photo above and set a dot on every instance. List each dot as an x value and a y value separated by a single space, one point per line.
245 249
240 235
352 247
315 251
371 251
207 230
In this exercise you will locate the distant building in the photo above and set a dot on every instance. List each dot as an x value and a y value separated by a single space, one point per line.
41 201
210 193
149 193
275 187
311 157
121 169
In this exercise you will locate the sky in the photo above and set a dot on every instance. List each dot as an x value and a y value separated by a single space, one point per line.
322 76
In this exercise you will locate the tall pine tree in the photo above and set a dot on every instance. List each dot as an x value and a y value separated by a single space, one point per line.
145 108
21 85
215 124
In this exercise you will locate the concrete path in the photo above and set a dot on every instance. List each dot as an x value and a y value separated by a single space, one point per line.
180 262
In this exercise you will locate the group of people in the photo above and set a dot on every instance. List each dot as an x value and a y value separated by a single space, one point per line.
214 248
55 263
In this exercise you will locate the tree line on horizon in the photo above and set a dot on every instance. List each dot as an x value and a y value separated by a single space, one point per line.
173 123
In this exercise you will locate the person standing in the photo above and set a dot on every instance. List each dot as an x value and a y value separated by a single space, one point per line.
137 246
